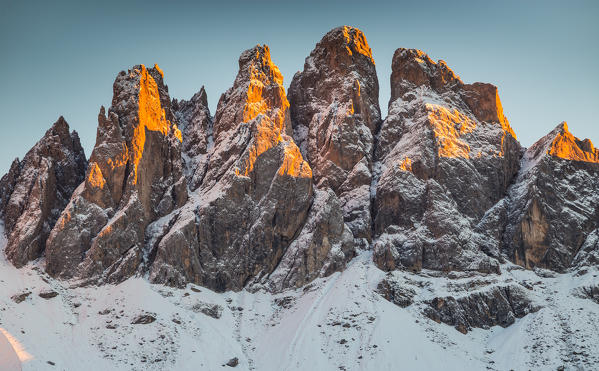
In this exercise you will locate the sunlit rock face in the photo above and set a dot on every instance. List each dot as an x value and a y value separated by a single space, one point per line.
252 201
135 176
36 189
446 154
335 115
194 121
553 209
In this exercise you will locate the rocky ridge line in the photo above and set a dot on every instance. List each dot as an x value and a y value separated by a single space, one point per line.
228 202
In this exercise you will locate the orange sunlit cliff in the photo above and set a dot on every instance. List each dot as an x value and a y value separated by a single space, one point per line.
568 147
356 42
267 102
151 116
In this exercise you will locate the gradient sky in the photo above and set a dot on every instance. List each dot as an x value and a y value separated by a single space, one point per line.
61 58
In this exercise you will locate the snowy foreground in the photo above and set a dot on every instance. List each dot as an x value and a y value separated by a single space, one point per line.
335 323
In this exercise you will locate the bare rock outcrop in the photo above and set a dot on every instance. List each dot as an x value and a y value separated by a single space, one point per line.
395 292
499 305
135 176
335 115
590 292
588 255
255 194
36 189
446 154
324 245
254 211
553 208
194 121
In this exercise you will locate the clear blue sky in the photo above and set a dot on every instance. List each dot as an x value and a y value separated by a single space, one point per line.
61 58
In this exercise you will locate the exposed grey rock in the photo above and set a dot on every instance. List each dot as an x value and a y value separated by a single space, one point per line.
394 292
195 122
143 319
211 310
335 115
134 176
483 309
285 302
588 255
36 189
590 292
324 245
553 211
48 294
19 298
254 197
447 155
233 362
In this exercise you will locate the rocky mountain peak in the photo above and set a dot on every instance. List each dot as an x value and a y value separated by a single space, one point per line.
60 128
37 188
560 144
437 125
351 39
343 64
134 176
178 197
335 115
257 90
257 62
255 195
151 112
195 122
559 169
254 113
200 99
412 68
567 146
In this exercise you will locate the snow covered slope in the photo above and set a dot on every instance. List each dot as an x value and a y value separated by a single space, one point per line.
339 322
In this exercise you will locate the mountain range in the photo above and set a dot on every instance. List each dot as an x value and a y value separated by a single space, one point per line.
302 219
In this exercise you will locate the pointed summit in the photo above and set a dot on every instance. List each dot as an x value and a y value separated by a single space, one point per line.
438 127
567 146
553 203
254 197
257 90
412 68
37 188
335 115
559 143
254 111
350 38
134 176
194 120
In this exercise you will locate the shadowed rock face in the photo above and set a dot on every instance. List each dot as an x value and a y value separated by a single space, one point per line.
588 255
324 245
554 204
496 306
37 188
195 122
335 115
447 155
134 177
